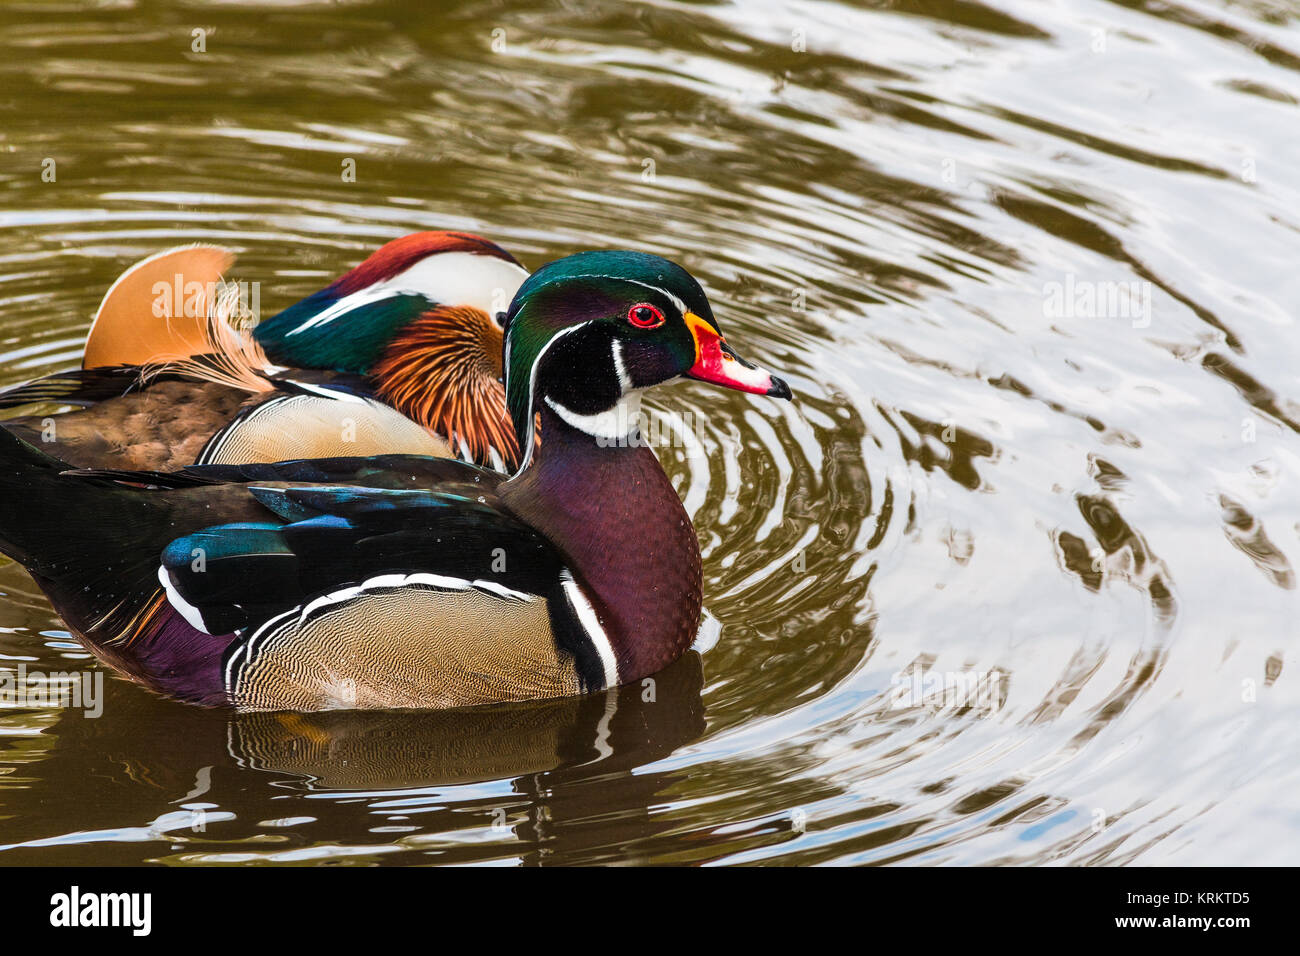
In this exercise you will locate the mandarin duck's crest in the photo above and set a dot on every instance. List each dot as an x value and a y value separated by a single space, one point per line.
350 323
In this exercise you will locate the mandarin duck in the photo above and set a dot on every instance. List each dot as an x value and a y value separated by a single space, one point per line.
402 581
401 354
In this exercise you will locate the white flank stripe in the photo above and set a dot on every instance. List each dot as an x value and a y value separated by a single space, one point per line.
500 589
326 392
385 581
215 447
325 600
399 580
591 624
249 649
187 610
438 581
232 667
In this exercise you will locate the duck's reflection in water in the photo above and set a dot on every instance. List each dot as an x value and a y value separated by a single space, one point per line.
359 750
569 764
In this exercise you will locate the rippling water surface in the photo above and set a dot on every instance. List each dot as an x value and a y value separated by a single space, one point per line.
1031 269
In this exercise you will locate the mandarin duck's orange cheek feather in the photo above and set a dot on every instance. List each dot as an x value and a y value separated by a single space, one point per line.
465 400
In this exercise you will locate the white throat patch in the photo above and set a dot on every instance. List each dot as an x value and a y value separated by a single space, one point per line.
618 425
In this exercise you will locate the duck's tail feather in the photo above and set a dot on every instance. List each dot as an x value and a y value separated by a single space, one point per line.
76 387
91 543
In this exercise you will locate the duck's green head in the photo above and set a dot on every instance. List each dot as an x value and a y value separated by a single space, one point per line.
587 333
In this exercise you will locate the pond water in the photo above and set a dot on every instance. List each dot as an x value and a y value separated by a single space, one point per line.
1011 581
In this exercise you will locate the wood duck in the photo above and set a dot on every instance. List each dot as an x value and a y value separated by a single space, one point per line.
401 354
404 581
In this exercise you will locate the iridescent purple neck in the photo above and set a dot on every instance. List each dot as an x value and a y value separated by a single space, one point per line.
618 520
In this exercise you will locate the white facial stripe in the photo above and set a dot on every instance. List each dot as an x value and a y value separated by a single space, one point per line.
532 386
602 423
681 306
447 278
614 425
624 380
591 624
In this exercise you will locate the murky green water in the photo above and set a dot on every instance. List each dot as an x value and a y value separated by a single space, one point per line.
1030 266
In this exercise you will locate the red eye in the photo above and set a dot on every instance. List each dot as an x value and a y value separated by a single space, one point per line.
645 316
